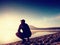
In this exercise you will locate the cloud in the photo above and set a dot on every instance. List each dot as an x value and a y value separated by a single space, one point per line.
50 21
57 17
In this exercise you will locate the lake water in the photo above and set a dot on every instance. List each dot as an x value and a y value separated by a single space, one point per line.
35 33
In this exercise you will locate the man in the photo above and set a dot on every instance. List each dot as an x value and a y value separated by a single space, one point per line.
26 31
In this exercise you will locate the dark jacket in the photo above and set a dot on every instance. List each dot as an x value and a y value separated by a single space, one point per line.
26 30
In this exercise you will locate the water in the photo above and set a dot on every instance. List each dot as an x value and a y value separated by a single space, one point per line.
35 33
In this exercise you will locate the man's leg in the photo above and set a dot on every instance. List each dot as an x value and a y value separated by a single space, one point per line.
20 36
28 39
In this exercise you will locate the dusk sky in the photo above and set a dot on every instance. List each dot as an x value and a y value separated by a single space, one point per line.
39 13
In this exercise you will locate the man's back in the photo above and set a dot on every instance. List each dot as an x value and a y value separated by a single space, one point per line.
26 30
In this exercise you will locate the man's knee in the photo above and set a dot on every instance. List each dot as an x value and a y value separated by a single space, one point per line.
19 35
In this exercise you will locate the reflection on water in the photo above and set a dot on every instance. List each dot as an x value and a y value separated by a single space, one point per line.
35 33
41 33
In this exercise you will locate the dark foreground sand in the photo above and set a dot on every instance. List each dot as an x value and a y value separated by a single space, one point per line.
51 39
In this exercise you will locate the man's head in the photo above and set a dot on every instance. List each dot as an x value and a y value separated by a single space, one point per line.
22 21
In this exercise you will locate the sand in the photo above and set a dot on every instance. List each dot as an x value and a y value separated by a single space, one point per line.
50 39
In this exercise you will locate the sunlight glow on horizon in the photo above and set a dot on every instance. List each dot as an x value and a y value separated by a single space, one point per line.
9 23
10 20
8 28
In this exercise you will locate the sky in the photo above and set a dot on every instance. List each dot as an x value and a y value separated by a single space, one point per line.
39 13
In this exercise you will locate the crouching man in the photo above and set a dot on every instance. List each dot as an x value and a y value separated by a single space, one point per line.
26 33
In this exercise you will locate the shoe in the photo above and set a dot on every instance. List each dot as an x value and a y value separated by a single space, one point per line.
23 41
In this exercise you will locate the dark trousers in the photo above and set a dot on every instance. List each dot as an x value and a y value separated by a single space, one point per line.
22 36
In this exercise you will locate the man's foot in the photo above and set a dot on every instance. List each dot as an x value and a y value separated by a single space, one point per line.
28 39
23 41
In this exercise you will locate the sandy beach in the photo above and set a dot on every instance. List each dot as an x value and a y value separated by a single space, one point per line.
50 39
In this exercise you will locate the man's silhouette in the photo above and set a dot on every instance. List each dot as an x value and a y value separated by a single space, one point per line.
26 31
